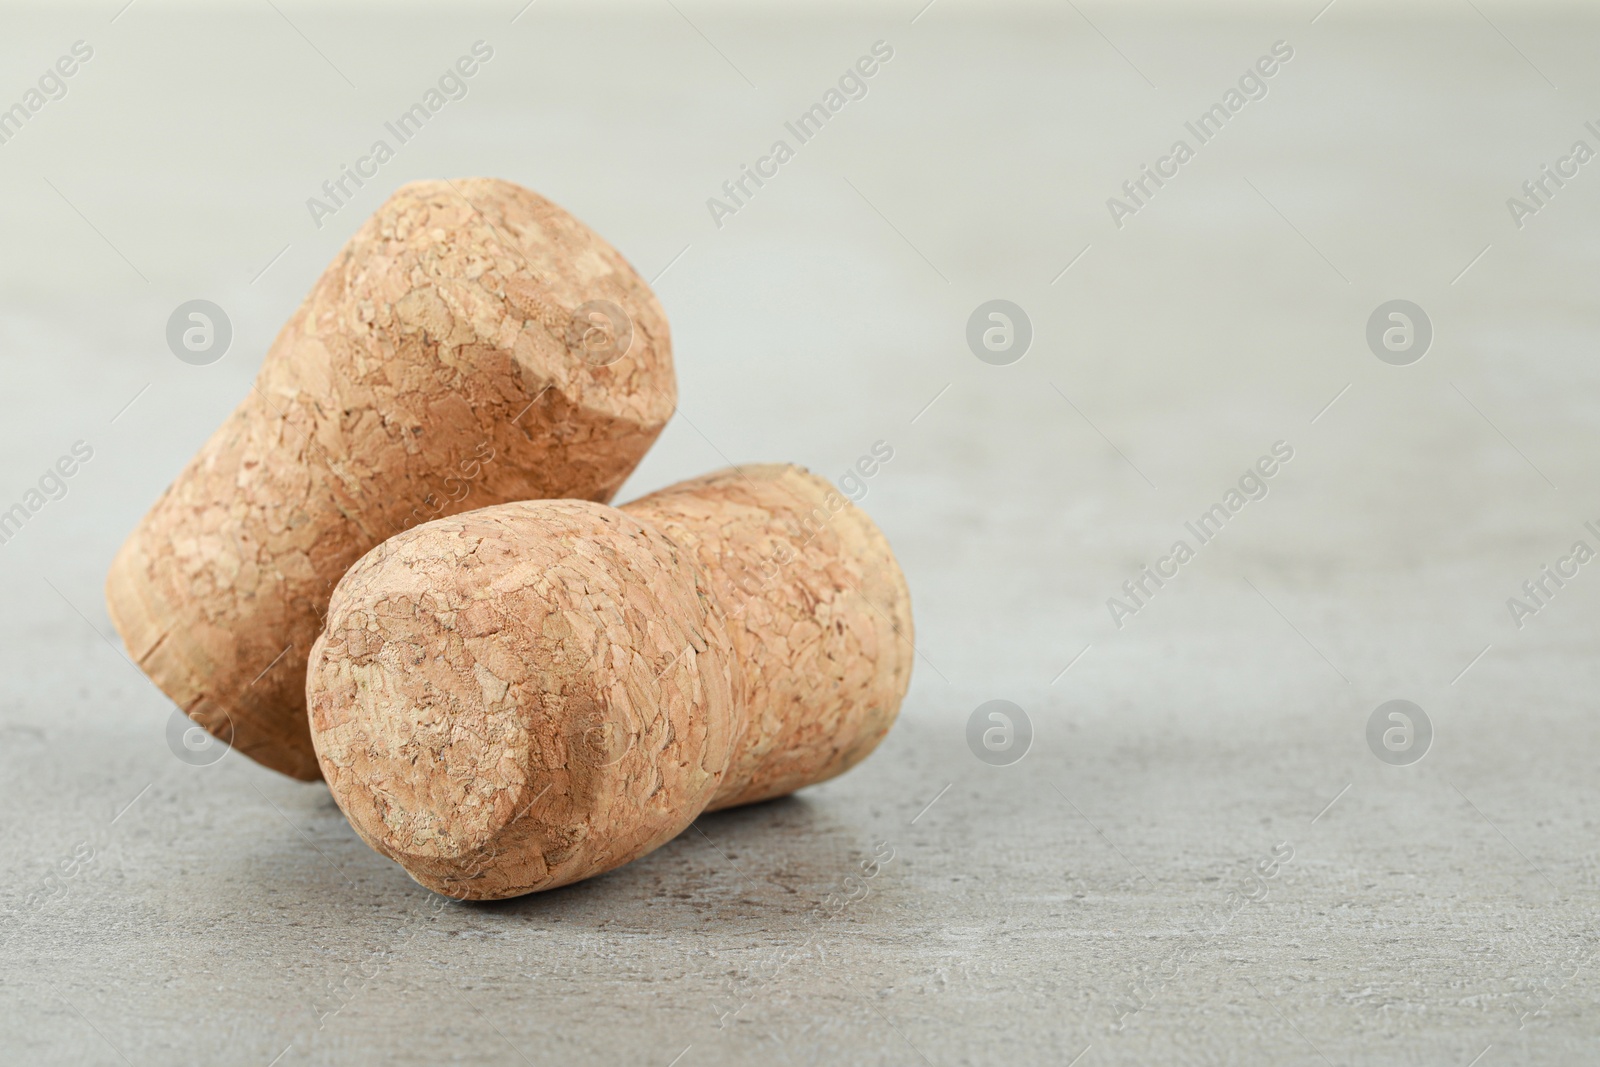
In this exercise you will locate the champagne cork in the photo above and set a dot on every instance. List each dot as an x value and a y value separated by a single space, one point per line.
471 344
819 615
534 693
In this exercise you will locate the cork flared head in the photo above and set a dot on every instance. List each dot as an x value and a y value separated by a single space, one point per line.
466 294
522 696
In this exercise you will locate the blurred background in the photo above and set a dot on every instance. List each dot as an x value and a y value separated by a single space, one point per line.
1207 854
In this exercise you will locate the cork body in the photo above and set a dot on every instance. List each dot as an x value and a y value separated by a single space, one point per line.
522 696
532 693
472 344
819 613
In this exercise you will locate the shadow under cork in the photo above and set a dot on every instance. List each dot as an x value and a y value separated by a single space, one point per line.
743 870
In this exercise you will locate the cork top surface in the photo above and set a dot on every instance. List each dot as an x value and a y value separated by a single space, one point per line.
484 268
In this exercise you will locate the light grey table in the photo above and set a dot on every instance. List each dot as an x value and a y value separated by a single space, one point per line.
1093 900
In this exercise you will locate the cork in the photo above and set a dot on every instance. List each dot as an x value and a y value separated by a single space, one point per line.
471 344
534 693
820 613
523 696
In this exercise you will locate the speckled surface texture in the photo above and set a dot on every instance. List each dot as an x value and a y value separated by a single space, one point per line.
534 693
818 613
1103 898
523 696
434 368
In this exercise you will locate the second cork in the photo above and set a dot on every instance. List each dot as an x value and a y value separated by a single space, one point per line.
530 694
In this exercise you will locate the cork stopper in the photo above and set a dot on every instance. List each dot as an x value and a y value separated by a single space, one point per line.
819 613
530 694
472 344
523 696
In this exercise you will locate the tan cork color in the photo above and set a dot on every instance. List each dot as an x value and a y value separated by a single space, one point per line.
530 694
472 344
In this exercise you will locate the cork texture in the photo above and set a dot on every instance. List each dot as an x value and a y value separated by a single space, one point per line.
819 612
523 696
438 365
529 694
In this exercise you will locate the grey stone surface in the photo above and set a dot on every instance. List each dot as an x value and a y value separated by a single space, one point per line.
1093 900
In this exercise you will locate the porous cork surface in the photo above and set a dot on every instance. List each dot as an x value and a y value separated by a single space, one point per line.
529 694
434 368
522 696
818 610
